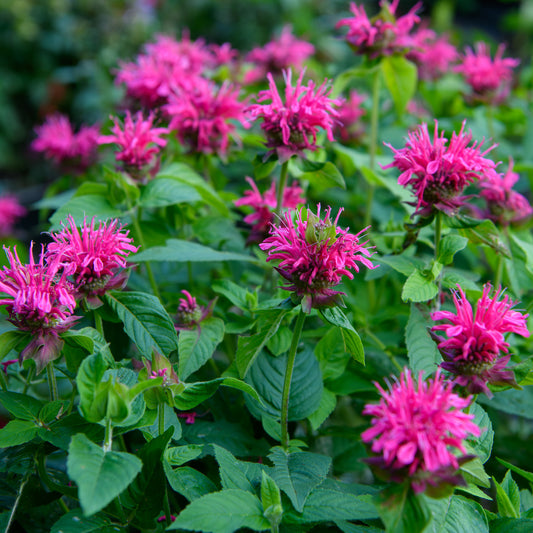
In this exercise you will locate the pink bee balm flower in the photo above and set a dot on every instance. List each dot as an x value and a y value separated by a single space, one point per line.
382 35
438 172
292 126
472 351
190 314
504 204
285 52
490 79
10 212
93 257
204 116
57 140
350 111
415 427
314 254
38 300
263 206
139 140
432 54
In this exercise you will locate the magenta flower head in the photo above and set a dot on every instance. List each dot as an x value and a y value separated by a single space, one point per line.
204 115
279 54
432 54
38 300
190 314
139 141
504 205
349 127
474 349
490 79
94 257
382 35
263 206
57 141
438 172
416 428
10 212
292 126
314 254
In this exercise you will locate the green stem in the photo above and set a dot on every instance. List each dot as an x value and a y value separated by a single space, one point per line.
499 271
438 235
17 500
281 186
108 439
27 383
161 418
98 324
374 126
136 224
385 350
52 383
166 508
297 332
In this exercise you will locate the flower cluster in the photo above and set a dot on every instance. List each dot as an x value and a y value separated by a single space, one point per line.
504 205
94 257
490 79
57 140
349 127
138 139
382 35
40 301
279 54
314 254
475 344
438 172
190 314
202 115
10 212
263 206
416 427
292 126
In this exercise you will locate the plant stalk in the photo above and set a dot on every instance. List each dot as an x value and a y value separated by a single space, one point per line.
161 418
281 186
52 382
17 500
108 439
438 235
297 332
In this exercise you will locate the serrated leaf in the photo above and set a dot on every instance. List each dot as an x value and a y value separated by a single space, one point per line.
322 175
352 341
196 346
161 192
263 169
488 234
482 445
449 246
298 473
524 473
180 251
179 455
17 432
473 472
527 248
454 514
422 350
232 476
236 294
515 402
402 511
327 405
223 512
401 263
9 341
188 482
75 522
85 207
511 525
507 497
100 476
417 288
21 405
90 374
145 321
248 348
331 355
401 79
270 493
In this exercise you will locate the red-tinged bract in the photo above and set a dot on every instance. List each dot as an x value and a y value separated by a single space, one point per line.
313 255
190 314
475 350
94 257
39 300
417 427
438 171
291 126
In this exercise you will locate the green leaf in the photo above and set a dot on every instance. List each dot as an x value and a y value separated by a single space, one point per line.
524 473
401 80
527 248
145 321
161 192
21 405
263 169
298 473
511 525
180 455
418 288
180 251
507 497
232 476
75 522
196 346
17 432
90 375
328 402
236 294
188 482
473 472
223 512
482 445
331 355
456 514
402 511
267 375
9 341
449 246
488 234
421 348
352 341
100 476
248 348
84 207
184 174
515 402
280 342
270 493
322 175
401 263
